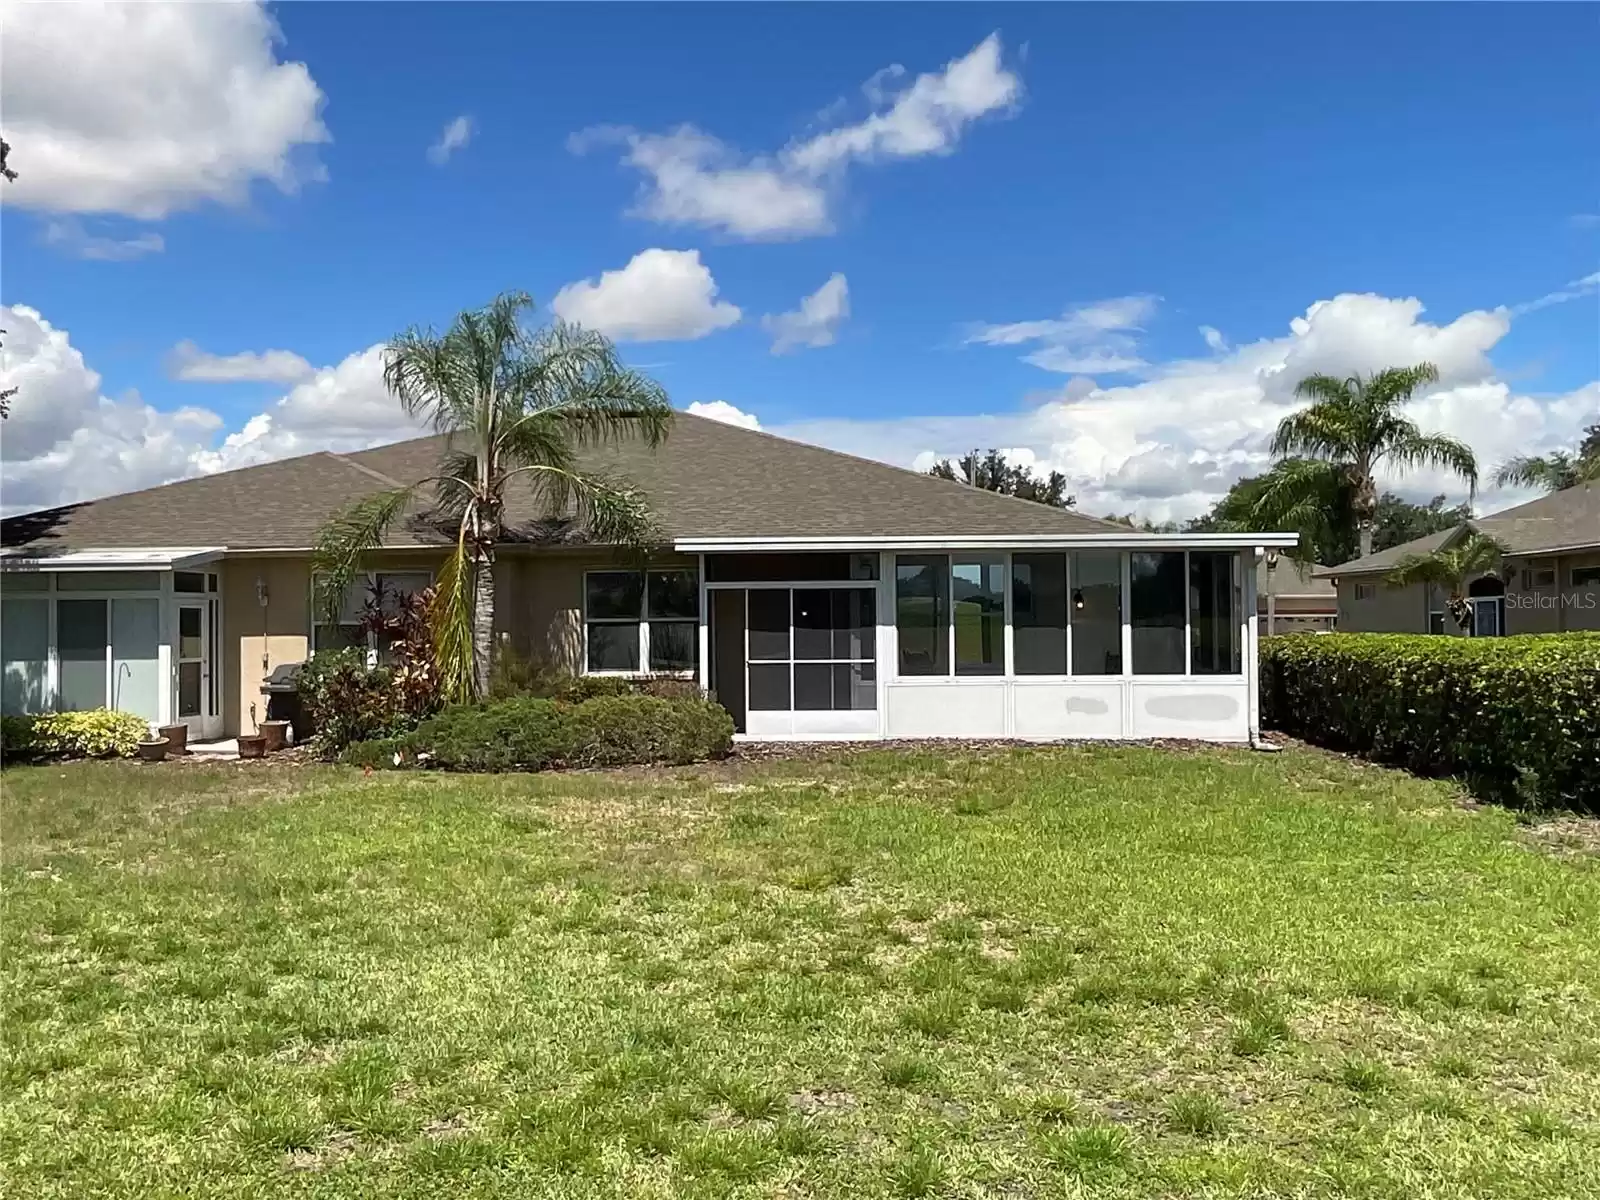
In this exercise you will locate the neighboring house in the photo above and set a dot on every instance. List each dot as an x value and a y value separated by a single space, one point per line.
1549 582
1290 598
815 594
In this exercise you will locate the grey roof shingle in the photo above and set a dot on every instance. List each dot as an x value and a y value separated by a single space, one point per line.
1564 520
708 479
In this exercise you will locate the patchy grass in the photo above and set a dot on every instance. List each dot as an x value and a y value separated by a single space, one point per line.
1108 971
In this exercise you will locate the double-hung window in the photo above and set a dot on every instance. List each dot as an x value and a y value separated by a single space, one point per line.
636 621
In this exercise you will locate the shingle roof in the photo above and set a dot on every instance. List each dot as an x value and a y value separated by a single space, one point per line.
708 479
1564 520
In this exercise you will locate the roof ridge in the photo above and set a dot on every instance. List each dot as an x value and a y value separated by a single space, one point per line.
389 480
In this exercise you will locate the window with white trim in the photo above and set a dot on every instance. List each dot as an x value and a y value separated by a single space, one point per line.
641 621
1538 577
1585 576
1366 591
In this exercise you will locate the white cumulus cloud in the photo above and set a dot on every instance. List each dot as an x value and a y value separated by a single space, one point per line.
144 109
721 410
1169 444
694 178
70 237
66 440
189 363
1099 338
816 322
661 295
452 137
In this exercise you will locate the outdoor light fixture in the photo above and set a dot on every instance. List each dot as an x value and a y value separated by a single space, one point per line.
1077 599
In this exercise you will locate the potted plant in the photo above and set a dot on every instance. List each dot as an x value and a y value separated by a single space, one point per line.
252 745
276 734
153 749
177 738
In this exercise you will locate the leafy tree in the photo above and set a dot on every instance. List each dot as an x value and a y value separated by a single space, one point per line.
1400 521
515 406
994 473
1590 446
1352 427
1557 471
1476 554
1142 524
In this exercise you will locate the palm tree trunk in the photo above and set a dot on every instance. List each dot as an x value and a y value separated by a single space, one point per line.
1366 506
482 618
1364 528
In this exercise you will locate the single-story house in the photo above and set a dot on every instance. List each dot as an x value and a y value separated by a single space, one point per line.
815 594
1291 598
1549 581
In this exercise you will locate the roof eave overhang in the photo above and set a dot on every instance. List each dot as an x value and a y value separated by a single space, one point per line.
1025 541
152 558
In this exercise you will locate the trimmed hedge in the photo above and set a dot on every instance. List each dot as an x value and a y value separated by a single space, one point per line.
1517 718
533 733
95 733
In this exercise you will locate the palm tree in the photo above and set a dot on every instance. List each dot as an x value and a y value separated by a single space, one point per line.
1451 567
1352 426
1550 473
513 405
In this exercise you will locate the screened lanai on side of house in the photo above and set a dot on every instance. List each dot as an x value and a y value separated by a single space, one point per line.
817 595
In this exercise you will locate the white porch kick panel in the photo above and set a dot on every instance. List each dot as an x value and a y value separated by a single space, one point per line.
937 708
1047 710
1076 709
813 725
1216 710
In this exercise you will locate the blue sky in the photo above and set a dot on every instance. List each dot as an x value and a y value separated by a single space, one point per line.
1031 240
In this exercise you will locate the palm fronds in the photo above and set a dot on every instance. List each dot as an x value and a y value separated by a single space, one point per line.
450 617
345 538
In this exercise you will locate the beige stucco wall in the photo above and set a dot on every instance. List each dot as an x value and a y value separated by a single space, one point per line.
1555 608
546 622
538 611
258 639
1387 610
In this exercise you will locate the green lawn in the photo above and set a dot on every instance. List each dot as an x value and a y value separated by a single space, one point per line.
1109 971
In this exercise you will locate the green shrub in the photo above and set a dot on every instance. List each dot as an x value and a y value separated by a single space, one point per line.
531 733
1517 718
97 733
346 701
523 734
612 731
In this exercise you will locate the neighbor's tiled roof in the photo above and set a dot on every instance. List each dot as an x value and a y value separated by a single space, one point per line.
1564 520
708 479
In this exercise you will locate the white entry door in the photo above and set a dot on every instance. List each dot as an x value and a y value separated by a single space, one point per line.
197 692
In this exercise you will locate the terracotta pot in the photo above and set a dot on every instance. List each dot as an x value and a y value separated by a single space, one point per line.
252 745
177 738
153 750
276 733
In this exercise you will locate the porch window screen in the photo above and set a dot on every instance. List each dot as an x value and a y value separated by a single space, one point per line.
978 602
25 645
1096 612
922 613
641 620
812 649
1039 613
1158 614
1215 612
